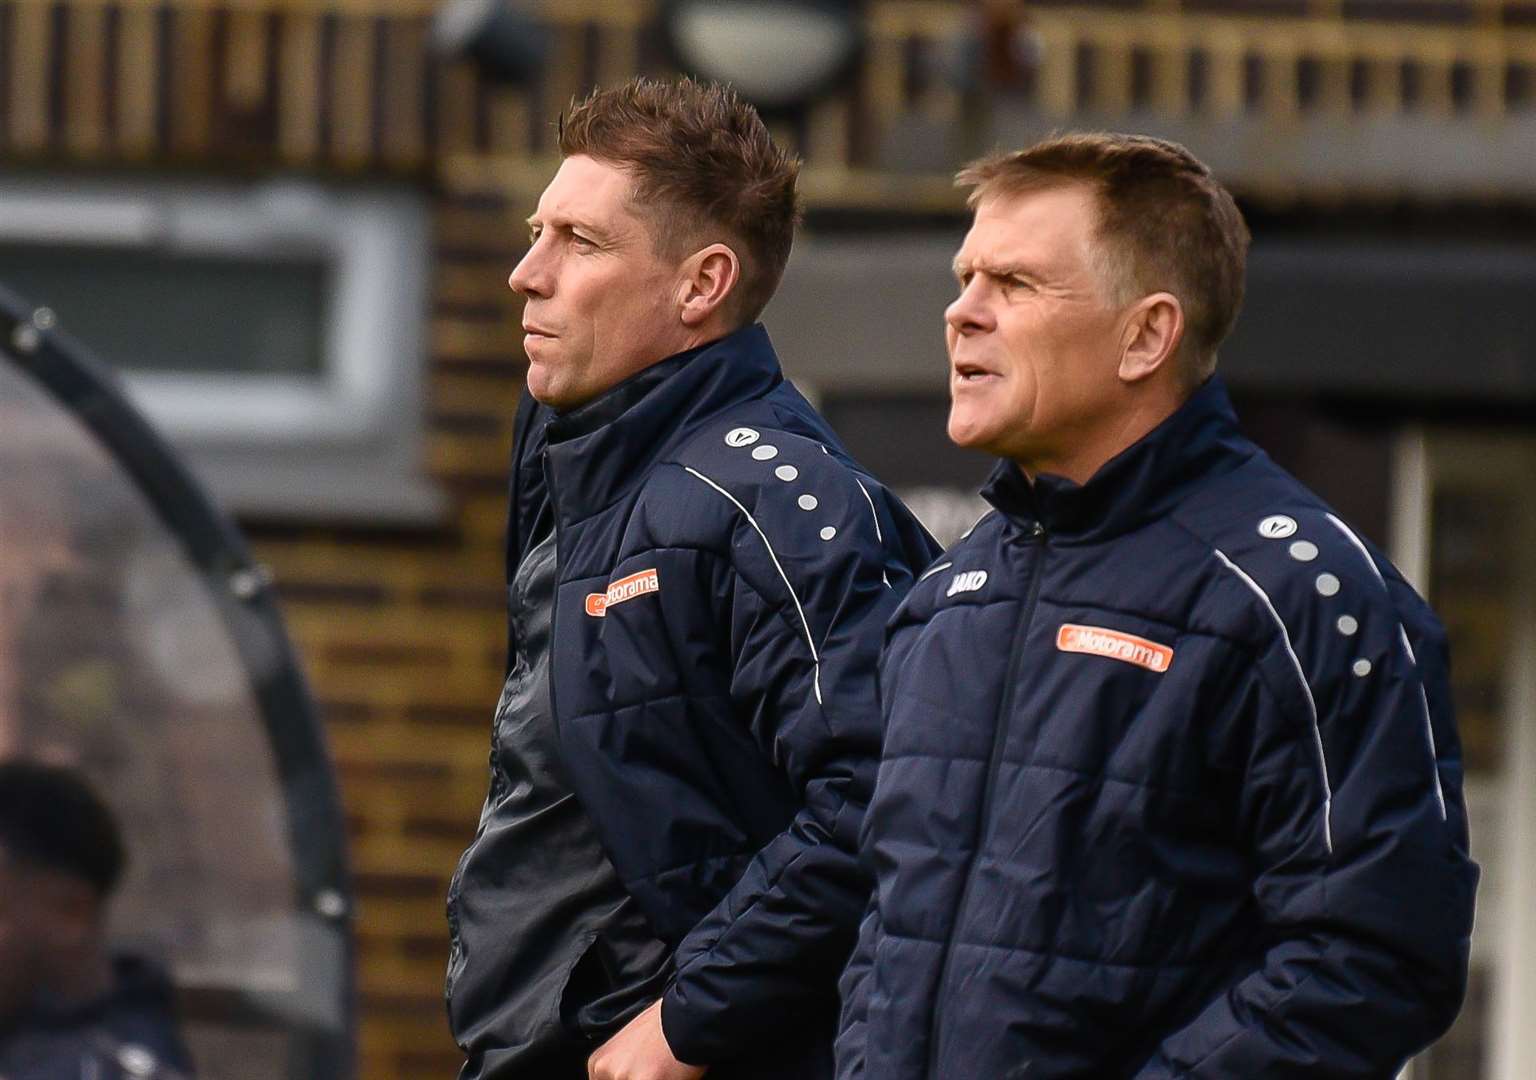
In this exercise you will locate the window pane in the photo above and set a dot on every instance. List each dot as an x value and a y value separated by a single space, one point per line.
155 310
1472 541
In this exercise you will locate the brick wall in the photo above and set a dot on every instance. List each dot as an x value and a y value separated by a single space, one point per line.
402 637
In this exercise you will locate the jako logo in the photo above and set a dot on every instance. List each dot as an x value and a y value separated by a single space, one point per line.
967 581
1099 641
626 588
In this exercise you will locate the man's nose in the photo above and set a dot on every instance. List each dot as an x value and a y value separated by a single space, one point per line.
969 314
530 276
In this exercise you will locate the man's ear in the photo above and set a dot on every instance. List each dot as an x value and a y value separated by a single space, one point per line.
1152 335
710 277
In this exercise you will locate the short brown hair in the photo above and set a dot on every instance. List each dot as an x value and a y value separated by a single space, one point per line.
702 162
1165 224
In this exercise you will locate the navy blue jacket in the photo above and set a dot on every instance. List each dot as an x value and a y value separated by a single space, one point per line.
1171 787
725 571
131 1031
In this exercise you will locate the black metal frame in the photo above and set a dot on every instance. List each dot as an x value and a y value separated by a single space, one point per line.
89 390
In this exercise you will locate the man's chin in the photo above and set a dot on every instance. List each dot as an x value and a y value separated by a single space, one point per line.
970 435
541 386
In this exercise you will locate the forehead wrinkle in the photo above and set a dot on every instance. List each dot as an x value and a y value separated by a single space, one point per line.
557 219
990 262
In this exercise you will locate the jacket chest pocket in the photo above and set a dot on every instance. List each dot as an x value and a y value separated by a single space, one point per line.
1102 693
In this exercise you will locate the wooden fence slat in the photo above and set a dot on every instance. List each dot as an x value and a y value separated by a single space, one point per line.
30 60
298 131
1170 74
1058 70
1113 70
1384 81
1280 95
403 93
85 81
138 68
1436 69
456 89
1225 97
1488 66
246 59
192 79
352 91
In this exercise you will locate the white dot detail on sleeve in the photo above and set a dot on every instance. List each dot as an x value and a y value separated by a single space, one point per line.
1362 667
1347 625
829 532
766 452
1303 551
1327 584
807 502
786 473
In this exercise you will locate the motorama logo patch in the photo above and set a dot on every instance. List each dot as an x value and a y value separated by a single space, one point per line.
626 588
1102 641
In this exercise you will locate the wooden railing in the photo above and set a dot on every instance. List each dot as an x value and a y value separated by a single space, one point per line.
353 86
1277 68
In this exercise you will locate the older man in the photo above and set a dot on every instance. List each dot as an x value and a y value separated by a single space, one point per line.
1171 783
699 578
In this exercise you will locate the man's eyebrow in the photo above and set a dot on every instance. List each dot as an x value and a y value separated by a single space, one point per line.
961 266
596 232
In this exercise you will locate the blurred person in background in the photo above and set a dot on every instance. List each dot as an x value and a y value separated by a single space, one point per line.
1171 784
69 1009
665 878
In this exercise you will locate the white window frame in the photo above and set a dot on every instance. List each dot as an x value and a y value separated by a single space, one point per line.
344 444
1503 811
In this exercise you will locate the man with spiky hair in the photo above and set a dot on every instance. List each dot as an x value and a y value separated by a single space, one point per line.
665 878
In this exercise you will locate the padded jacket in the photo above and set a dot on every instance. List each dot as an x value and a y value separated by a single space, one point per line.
1171 788
725 572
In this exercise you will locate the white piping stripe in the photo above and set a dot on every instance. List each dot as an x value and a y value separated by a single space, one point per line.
872 512
928 573
885 577
1349 534
1434 759
1317 734
1402 636
975 523
809 640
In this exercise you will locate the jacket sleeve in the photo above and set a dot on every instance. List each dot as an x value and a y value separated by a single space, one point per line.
1361 867
808 603
853 989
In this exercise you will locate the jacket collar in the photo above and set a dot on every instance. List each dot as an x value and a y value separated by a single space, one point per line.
1198 440
599 450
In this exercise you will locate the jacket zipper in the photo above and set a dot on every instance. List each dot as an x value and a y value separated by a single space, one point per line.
554 607
1035 536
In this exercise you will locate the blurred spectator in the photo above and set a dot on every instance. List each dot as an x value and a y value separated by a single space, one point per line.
68 1007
